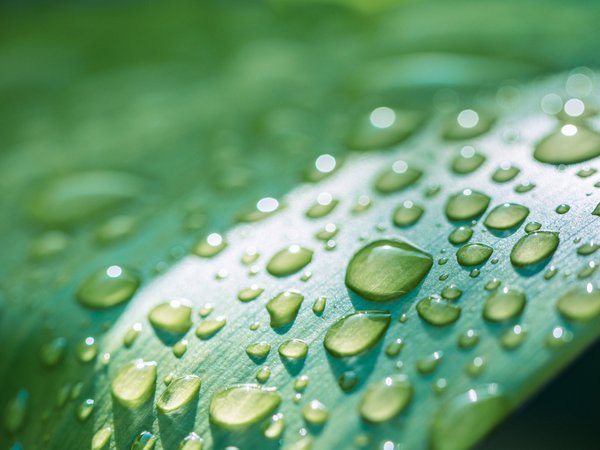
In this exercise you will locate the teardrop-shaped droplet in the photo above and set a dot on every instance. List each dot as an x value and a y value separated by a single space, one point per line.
210 246
513 337
319 305
85 409
466 205
460 235
87 350
284 307
473 254
134 383
580 304
173 317
468 160
570 145
533 248
387 269
324 205
400 176
504 304
506 216
356 333
132 334
258 350
385 399
108 287
293 349
468 339
289 260
250 293
429 363
437 311
466 418
178 394
407 214
242 406
209 327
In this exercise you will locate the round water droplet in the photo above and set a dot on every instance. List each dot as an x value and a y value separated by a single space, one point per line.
108 287
505 173
356 333
460 235
570 145
258 350
562 208
134 383
284 307
466 418
289 260
532 226
101 438
208 328
466 205
315 412
580 304
319 305
400 176
250 293
387 269
451 292
210 246
429 364
293 349
385 399
178 394
473 254
437 311
242 405
468 160
407 214
467 124
504 304
173 317
533 248
468 339
506 216
513 337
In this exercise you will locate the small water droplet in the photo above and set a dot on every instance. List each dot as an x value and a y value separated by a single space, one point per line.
467 124
506 216
505 173
533 248
385 399
328 232
324 205
393 348
144 441
87 350
558 337
179 393
52 352
191 442
250 293
407 214
451 292
460 235
16 411
468 338
263 208
562 208
466 205
209 327
134 383
301 383
315 412
356 333
513 337
132 334
289 260
180 348
275 428
210 246
468 160
243 405
400 176
263 374
173 317
588 248
524 187
532 226
429 364
101 438
437 311
108 287
475 367
85 409
293 349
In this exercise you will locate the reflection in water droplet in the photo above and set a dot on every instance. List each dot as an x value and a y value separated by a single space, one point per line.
144 441
437 311
289 260
506 216
356 333
385 399
178 394
108 287
134 383
399 177
387 269
533 248
284 307
467 124
466 205
242 405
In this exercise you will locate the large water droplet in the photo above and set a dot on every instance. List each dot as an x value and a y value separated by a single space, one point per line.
580 304
398 177
466 205
289 260
173 317
385 399
437 311
242 405
533 248
473 254
178 394
108 287
356 333
504 304
284 307
570 145
134 383
506 216
387 269
293 349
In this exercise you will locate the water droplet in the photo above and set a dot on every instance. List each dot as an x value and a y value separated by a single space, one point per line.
468 339
362 204
596 211
492 284
191 442
504 304
49 244
562 208
468 160
144 441
570 145
588 248
398 177
524 187
451 292
264 208
178 394
356 333
460 235
473 254
324 205
550 273
16 411
301 382
173 317
293 349
328 232
533 248
210 246
475 367
85 409
506 216
315 412
258 350
323 166
284 307
115 228
466 418
289 260
387 269
532 226
180 348
586 172
440 386
250 293
52 353
108 287
242 405
208 328
319 305
263 374
132 334
393 348
558 337
429 364
580 304
275 428
385 399
505 173
101 438
467 124
134 383
587 270
437 311
407 214
513 337
250 255
466 205
87 350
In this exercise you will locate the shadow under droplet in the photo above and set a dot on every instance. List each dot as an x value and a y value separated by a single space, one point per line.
129 422
175 426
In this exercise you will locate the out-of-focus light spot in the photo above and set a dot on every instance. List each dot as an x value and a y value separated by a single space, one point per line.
382 117
324 198
551 104
569 130
579 84
574 107
214 239
467 151
267 204
399 166
114 271
325 163
467 118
